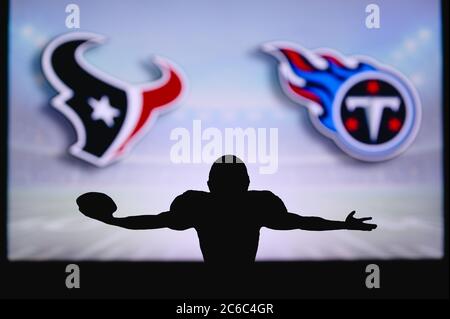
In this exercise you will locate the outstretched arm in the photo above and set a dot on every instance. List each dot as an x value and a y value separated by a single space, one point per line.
161 220
288 221
101 207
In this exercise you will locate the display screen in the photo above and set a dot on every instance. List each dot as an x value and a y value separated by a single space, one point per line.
333 106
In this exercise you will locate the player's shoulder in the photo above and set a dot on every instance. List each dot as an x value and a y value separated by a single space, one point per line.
189 200
193 195
264 195
267 200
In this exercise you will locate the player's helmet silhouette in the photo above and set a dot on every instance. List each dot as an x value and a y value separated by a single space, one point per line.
228 175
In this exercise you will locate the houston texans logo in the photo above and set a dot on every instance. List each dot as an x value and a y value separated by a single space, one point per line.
109 115
370 111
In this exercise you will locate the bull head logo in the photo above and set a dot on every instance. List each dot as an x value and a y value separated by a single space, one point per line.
108 114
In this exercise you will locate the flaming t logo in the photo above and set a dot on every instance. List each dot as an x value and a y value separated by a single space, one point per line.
109 115
371 111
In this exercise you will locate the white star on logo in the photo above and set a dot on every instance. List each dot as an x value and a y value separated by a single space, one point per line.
103 110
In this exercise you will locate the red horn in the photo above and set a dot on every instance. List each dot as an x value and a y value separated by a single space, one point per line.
168 91
162 93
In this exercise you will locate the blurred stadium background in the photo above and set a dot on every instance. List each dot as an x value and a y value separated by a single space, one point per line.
231 84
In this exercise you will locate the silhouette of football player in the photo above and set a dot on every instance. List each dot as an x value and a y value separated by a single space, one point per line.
227 219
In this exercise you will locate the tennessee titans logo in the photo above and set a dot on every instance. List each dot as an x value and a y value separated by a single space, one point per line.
109 115
370 111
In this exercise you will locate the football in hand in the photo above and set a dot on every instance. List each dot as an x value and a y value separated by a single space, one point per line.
96 205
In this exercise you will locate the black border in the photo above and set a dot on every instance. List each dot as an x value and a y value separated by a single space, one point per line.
4 18
288 280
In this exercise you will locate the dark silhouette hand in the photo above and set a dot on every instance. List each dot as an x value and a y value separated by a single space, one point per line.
353 223
97 206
